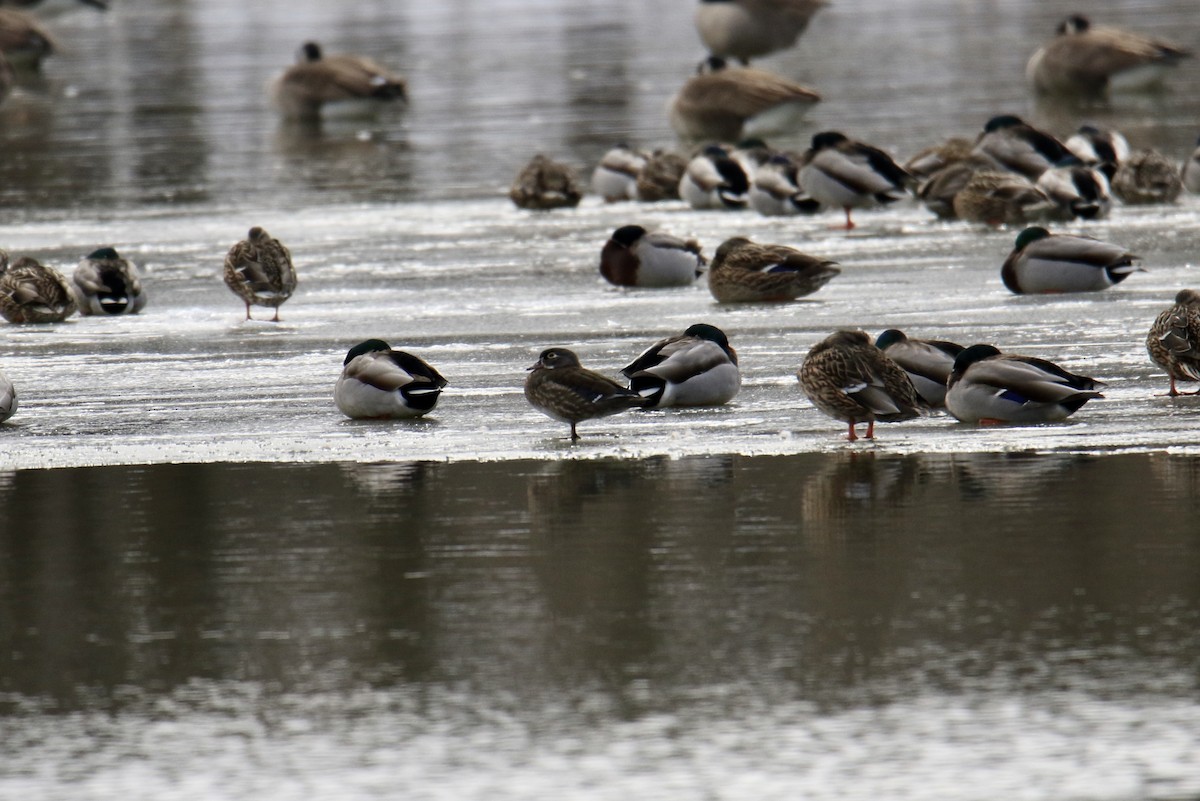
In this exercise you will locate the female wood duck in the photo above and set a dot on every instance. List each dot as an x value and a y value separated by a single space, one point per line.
559 387
259 270
105 283
696 368
378 382
634 256
31 292
1174 340
851 380
746 272
1044 262
987 386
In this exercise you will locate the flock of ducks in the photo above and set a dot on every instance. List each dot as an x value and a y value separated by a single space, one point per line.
1010 174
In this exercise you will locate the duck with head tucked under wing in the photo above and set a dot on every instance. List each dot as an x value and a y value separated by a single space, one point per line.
841 173
928 362
695 368
340 83
8 398
105 283
259 270
987 386
633 256
31 292
1174 340
747 272
727 104
378 382
1013 144
849 379
1042 262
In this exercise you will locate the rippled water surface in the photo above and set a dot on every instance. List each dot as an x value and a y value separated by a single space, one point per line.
212 585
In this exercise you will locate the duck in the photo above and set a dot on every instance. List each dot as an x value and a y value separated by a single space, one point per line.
259 270
544 184
775 189
1014 144
746 29
31 292
659 176
928 362
842 173
105 283
987 386
695 368
23 40
999 197
633 256
1147 177
937 191
1174 340
561 388
937 157
1077 190
715 180
1042 262
340 83
8 398
615 176
849 379
378 382
725 104
743 271
1190 172
1103 147
1087 60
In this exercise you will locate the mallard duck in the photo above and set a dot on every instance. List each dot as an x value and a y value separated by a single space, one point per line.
987 386
1147 177
746 29
1190 173
615 176
1174 340
105 283
851 380
1000 197
659 177
259 271
543 184
696 368
1043 262
730 103
745 272
8 398
23 40
1085 59
33 293
1102 147
378 382
928 362
635 257
1016 145
937 157
775 189
339 83
937 192
714 180
844 174
1077 190
559 387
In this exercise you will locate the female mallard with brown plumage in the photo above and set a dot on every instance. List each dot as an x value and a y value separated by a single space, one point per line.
33 293
1174 340
746 272
259 270
851 380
